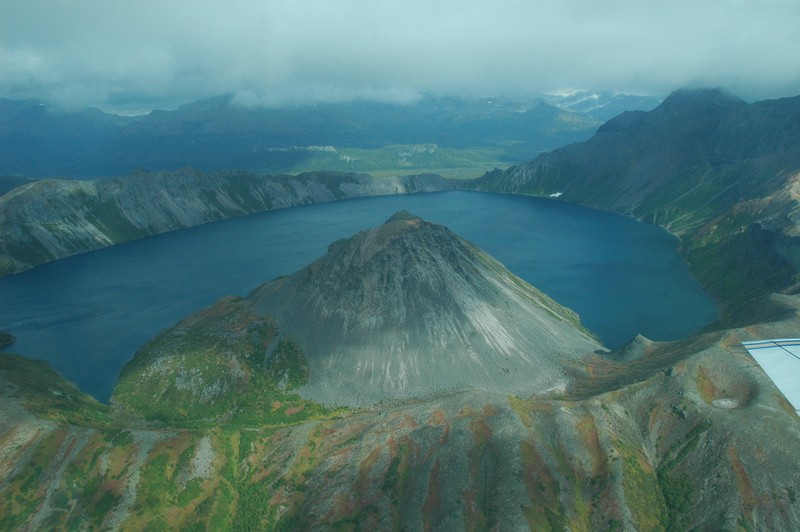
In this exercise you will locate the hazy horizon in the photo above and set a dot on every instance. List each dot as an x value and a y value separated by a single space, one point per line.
136 57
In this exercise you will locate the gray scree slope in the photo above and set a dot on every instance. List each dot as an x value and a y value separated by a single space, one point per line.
409 309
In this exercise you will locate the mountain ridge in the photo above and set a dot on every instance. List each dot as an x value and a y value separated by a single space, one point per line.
704 165
51 219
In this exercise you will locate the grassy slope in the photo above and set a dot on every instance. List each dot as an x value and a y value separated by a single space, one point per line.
223 364
6 339
46 394
459 163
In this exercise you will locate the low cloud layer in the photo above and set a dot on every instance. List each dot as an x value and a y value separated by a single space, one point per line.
153 54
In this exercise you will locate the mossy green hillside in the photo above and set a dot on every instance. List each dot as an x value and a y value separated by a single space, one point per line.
223 364
47 394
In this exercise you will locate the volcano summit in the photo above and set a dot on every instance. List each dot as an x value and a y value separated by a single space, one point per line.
401 311
409 308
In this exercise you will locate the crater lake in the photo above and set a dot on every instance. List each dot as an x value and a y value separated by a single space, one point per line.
88 314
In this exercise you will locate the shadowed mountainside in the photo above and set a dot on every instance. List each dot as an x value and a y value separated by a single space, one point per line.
718 172
52 219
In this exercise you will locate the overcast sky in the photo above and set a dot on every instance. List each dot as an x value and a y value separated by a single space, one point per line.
145 54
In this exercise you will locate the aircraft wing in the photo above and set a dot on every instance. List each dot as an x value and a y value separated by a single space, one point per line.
780 360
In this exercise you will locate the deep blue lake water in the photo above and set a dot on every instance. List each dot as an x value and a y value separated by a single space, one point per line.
87 315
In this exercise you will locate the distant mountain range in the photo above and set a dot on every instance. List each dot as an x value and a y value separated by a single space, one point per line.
38 140
603 105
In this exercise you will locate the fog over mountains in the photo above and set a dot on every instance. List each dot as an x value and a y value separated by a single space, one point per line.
154 55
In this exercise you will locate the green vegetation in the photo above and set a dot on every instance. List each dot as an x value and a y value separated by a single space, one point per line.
741 266
287 366
47 395
6 267
481 507
87 485
460 163
270 493
28 251
107 216
678 485
222 365
641 488
547 512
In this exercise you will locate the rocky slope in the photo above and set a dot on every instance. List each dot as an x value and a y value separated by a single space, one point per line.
402 311
52 219
650 444
718 172
410 308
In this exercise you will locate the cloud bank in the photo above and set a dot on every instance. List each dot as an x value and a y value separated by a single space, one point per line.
154 54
